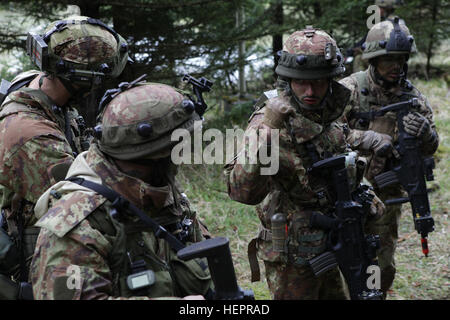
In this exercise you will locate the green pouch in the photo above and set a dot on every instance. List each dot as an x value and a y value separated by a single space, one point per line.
191 277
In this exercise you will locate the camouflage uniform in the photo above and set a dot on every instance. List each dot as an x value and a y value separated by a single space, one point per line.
291 190
77 227
39 139
360 64
370 92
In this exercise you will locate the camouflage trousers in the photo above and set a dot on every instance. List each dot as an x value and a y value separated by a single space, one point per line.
387 228
289 282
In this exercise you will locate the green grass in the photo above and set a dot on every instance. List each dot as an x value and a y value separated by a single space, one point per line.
417 277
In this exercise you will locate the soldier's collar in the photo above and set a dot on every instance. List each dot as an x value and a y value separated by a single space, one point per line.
146 197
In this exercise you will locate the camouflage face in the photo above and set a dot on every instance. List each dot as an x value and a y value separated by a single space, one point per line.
83 43
388 37
138 123
310 54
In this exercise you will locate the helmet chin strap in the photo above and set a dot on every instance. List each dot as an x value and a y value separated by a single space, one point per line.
318 107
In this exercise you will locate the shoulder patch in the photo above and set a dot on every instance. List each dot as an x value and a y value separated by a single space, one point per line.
69 211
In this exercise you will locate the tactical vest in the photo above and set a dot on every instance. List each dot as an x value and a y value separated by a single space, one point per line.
134 248
302 242
386 124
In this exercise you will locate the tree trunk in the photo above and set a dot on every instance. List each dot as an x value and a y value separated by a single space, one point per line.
277 39
434 11
241 53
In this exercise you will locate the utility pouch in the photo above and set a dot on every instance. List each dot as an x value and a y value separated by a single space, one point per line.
191 277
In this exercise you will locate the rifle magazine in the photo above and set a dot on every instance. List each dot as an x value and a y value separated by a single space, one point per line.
323 263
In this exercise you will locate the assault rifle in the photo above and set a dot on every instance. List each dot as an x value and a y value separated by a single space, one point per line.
410 171
348 246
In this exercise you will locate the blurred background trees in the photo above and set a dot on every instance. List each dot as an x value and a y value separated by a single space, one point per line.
218 39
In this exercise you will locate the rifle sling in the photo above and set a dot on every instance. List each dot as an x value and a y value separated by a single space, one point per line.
120 203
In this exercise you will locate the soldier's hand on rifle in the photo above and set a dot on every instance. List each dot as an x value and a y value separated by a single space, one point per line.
417 125
377 207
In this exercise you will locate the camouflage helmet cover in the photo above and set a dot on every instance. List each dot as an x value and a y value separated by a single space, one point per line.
389 4
138 122
85 44
310 54
388 37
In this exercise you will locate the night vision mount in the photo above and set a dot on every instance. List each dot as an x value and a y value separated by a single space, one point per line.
37 49
199 86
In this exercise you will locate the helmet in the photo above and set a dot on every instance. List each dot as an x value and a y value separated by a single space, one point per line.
310 54
389 4
79 49
138 122
388 37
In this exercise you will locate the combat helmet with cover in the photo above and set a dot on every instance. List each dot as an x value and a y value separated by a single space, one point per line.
138 121
310 54
388 37
79 50
389 4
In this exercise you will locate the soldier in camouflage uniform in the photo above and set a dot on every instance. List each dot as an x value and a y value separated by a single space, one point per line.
387 48
41 134
307 111
78 230
387 9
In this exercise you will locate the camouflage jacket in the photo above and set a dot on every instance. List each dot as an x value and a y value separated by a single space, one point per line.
34 150
78 233
292 191
368 95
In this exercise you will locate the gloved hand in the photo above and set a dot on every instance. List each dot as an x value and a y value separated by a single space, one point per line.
276 114
377 207
379 143
417 125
